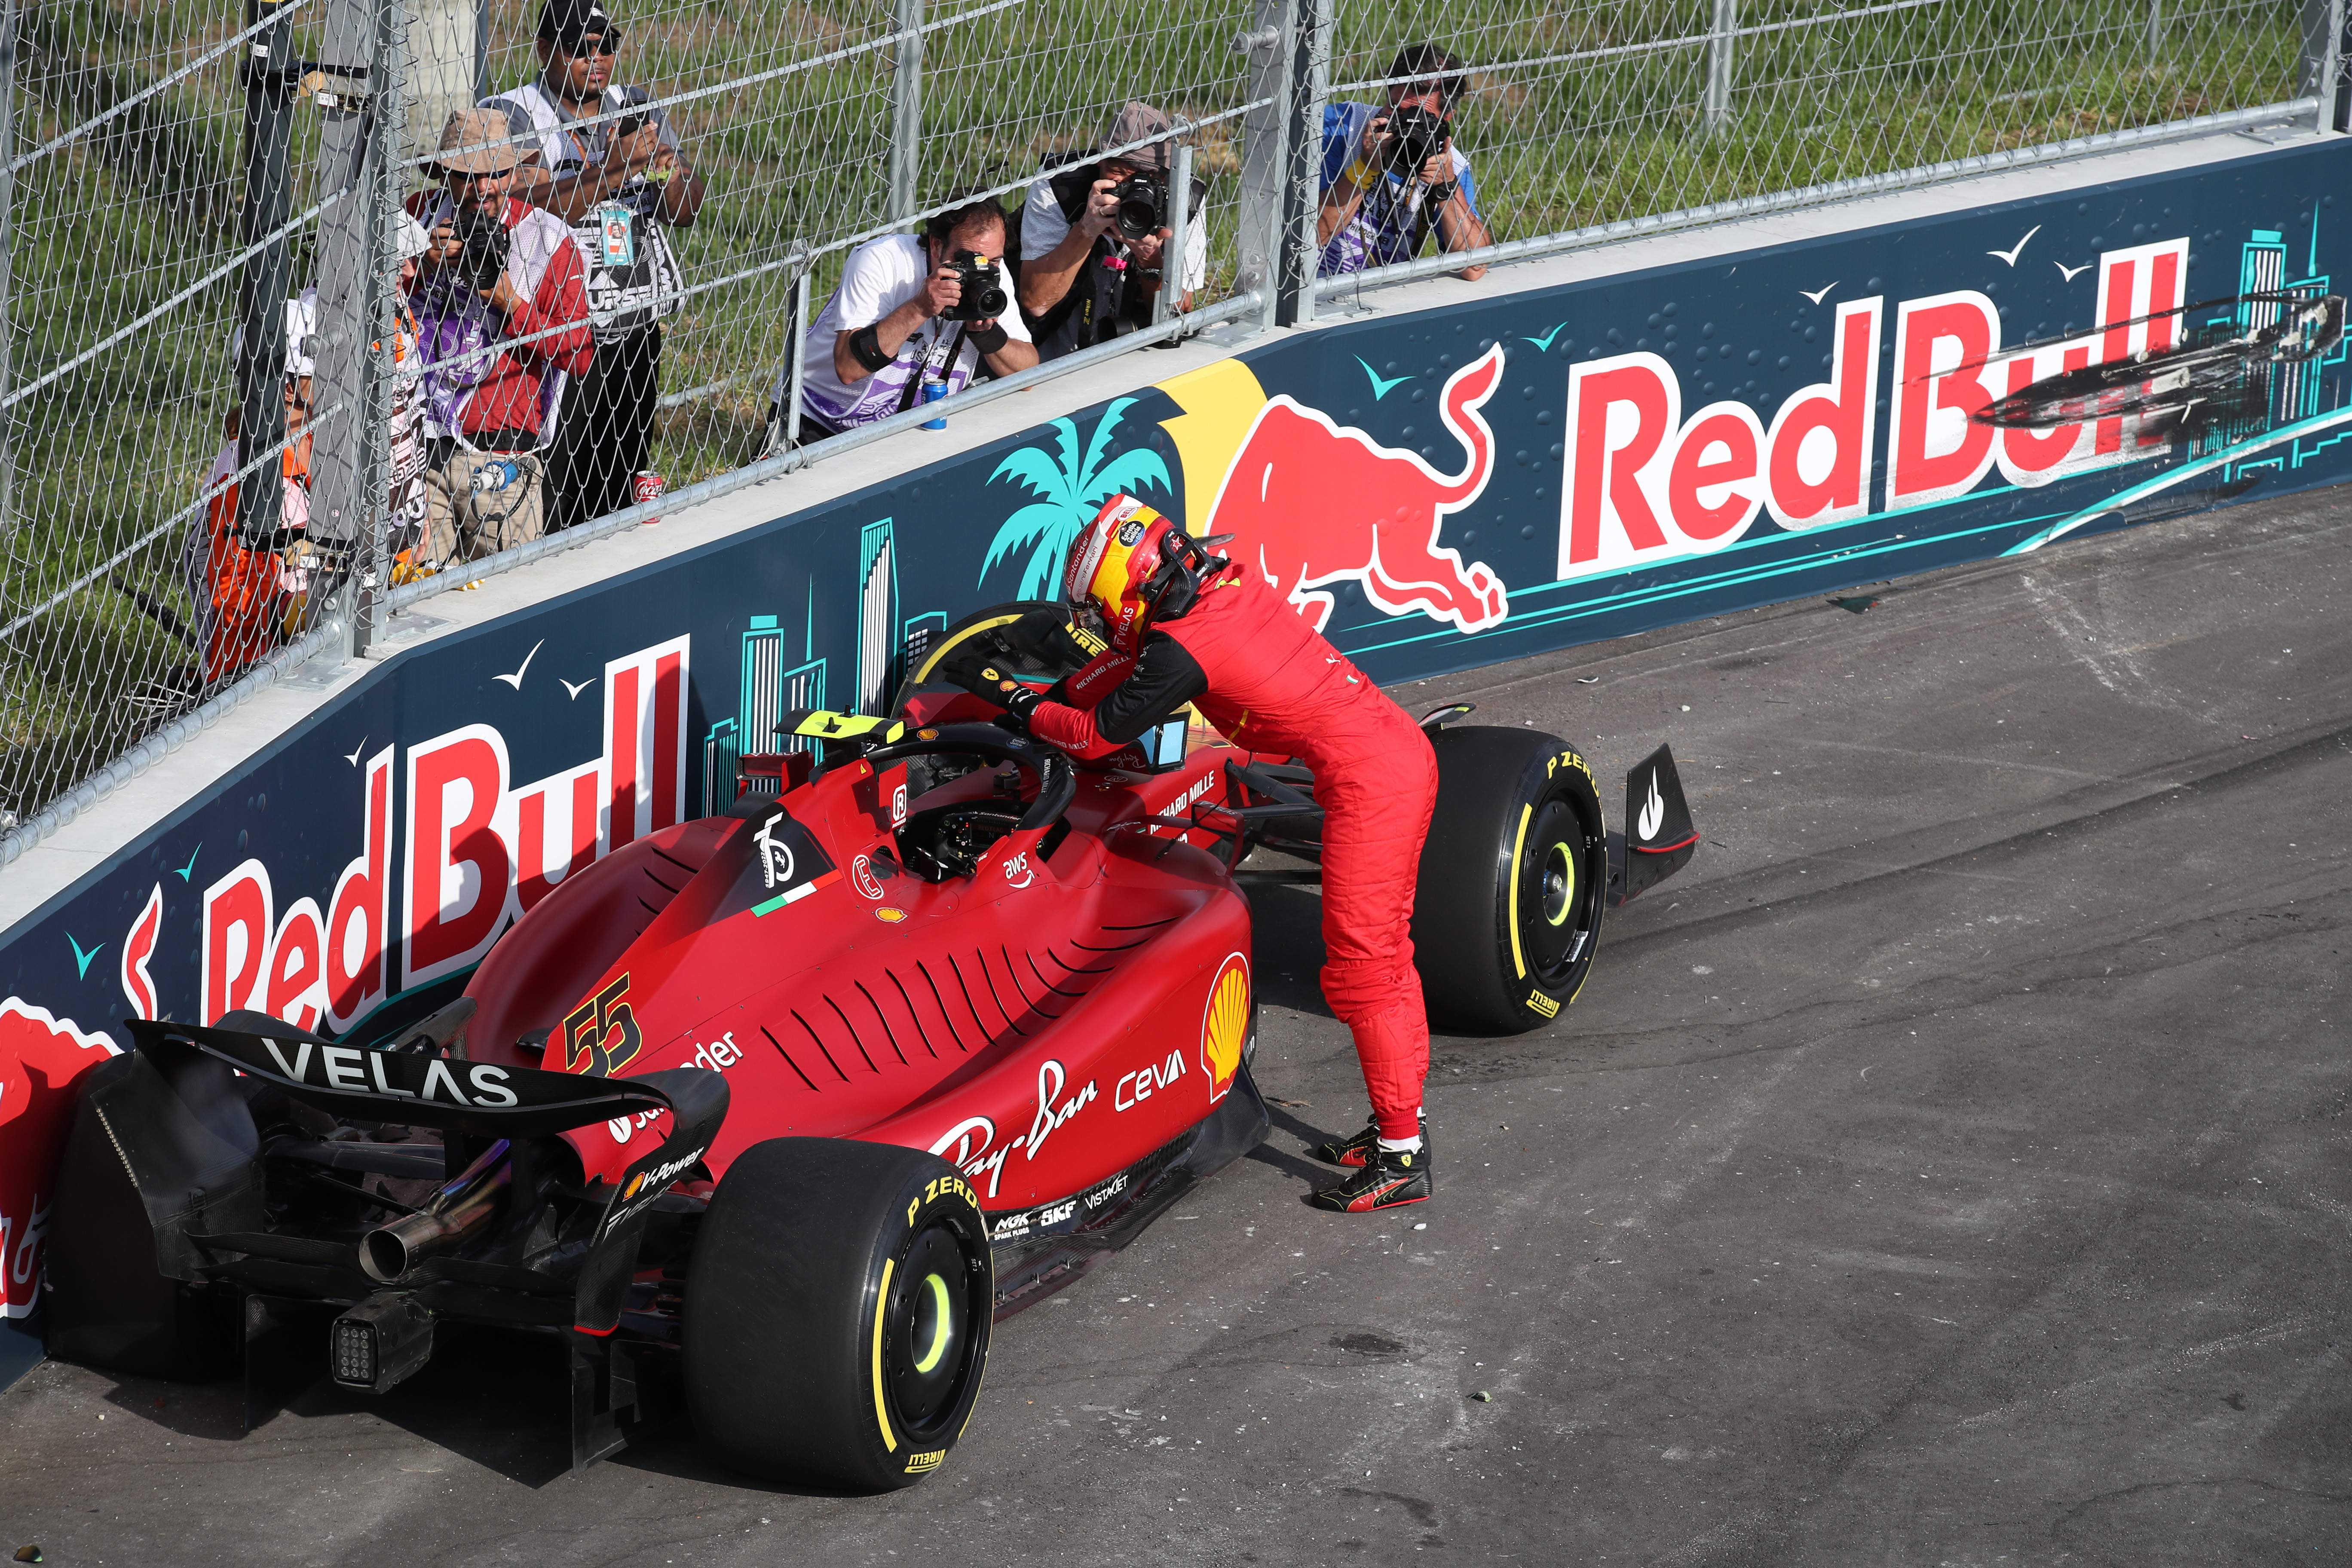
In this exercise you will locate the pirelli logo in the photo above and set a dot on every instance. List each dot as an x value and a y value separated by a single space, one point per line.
1543 1004
918 1463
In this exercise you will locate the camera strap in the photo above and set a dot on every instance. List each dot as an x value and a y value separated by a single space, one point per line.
938 364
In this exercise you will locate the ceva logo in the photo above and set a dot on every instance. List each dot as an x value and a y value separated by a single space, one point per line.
1644 483
474 851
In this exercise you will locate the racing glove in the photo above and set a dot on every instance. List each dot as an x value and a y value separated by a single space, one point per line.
991 684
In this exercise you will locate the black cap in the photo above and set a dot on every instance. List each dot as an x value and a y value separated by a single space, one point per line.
566 22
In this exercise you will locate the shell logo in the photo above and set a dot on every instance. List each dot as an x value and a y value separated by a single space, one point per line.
1224 1025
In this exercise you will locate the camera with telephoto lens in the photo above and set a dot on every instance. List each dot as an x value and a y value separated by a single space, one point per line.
1142 206
984 297
484 240
1416 135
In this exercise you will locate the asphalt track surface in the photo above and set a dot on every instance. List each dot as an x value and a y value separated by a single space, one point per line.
1948 1168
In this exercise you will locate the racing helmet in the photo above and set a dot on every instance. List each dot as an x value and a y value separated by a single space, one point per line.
1133 566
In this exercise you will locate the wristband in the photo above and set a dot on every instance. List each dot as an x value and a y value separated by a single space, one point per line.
1441 194
866 348
990 340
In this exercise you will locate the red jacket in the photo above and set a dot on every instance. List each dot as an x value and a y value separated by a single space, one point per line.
508 399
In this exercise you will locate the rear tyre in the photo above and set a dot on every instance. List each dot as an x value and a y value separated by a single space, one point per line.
837 1313
105 1304
1514 878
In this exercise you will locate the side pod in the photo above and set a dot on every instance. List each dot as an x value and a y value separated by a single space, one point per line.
1659 839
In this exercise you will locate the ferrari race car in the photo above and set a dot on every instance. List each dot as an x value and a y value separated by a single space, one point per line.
802 1097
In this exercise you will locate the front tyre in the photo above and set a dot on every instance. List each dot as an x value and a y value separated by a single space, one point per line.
1513 878
837 1313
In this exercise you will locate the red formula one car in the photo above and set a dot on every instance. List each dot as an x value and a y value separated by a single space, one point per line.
804 1095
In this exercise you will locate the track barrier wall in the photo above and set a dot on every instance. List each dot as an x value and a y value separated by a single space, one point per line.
1441 490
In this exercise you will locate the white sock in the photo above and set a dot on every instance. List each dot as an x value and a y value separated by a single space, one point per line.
1401 1145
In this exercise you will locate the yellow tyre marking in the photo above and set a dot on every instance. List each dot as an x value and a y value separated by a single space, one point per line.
940 1333
881 1317
1518 845
944 649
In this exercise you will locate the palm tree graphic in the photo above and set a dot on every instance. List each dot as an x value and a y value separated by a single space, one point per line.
1069 492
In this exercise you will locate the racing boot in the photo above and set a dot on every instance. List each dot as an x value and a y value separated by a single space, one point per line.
1387 1178
1353 1151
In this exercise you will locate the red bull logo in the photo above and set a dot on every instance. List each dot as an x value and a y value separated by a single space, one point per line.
1311 504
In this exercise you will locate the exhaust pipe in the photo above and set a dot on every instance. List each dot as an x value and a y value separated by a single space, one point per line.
456 1211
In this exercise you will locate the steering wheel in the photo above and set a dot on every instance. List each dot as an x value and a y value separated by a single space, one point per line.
1058 781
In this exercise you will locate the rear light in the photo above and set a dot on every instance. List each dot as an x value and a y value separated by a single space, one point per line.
380 1343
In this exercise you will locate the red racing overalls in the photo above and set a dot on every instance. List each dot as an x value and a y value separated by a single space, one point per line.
1269 683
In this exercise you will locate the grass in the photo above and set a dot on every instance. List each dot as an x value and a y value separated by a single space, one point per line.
122 220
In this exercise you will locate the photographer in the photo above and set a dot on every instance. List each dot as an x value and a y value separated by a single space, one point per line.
499 270
1391 175
1091 236
907 316
620 184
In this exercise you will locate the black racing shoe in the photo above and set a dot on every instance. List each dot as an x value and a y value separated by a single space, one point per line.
1353 1151
1388 1178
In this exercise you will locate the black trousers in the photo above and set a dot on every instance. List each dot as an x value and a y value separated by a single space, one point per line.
606 427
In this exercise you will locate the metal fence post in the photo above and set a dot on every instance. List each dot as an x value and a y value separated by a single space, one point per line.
1264 188
1722 35
341 510
1310 86
7 250
2155 33
2321 72
1169 300
905 114
261 284
802 277
387 140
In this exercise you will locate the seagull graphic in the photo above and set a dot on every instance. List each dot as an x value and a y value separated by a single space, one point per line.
573 691
1382 384
2068 272
81 959
515 680
1545 342
2009 256
355 758
1815 294
182 872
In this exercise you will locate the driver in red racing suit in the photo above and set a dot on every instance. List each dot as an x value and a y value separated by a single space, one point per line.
1183 626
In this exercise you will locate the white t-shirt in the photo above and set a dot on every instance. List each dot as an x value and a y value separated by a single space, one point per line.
882 275
1043 226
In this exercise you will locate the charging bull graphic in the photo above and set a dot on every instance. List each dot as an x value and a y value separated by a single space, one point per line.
41 1058
1310 502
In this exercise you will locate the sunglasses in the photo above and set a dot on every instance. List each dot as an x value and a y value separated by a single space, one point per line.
606 44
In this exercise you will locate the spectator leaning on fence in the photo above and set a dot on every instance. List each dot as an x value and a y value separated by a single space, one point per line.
1082 281
894 324
1380 200
618 184
502 320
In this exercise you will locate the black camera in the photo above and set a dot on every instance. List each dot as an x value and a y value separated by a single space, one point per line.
1416 135
1142 206
984 297
484 240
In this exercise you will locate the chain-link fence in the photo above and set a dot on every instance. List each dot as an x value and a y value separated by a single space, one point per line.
179 518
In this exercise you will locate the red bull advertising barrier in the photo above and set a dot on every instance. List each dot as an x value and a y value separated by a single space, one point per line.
1520 472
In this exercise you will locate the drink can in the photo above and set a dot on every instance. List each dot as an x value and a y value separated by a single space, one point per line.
646 486
933 391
